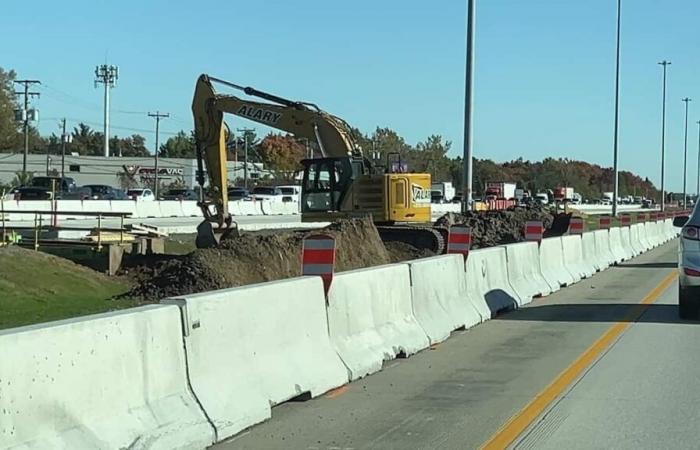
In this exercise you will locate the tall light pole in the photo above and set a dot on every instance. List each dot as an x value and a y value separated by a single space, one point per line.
467 174
108 76
617 114
663 63
697 182
685 154
158 115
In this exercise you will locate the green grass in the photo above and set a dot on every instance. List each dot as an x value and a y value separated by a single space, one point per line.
180 244
36 287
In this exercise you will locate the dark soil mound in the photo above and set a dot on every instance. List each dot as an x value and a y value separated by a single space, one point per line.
254 258
491 228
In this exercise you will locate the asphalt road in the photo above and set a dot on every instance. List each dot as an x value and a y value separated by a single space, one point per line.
523 379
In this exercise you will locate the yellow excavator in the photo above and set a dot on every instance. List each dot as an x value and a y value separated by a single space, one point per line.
342 183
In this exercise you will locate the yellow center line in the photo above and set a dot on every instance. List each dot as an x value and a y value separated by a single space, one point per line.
520 422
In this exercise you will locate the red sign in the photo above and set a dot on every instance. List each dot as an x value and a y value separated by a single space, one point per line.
576 225
459 240
625 219
318 258
641 217
604 223
534 230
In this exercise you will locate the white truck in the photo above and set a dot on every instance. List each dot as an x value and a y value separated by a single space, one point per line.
499 190
607 198
442 192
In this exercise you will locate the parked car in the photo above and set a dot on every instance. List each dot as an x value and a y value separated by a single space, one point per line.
238 193
120 194
32 193
180 194
101 192
141 194
689 265
267 193
291 193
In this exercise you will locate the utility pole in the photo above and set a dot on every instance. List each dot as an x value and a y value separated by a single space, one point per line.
246 132
685 154
157 116
697 185
26 115
65 139
108 76
467 175
663 63
617 115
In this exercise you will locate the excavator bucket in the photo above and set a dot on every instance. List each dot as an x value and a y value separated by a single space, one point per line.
210 236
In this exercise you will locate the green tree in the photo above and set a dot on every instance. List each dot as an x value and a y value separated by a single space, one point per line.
182 145
86 141
134 145
10 137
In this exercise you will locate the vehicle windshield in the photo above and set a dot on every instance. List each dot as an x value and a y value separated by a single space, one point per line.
134 192
287 190
177 192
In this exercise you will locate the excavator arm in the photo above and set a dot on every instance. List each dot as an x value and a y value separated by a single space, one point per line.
303 120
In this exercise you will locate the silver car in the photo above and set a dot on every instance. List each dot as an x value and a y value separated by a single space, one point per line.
689 265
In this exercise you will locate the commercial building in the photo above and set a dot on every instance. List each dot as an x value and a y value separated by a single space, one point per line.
126 172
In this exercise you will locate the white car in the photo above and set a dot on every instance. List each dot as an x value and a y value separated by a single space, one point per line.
141 195
290 193
689 265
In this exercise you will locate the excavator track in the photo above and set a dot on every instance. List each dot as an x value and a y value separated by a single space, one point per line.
421 237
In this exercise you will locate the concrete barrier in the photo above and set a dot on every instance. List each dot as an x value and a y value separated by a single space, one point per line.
524 272
626 236
169 208
439 292
247 208
552 263
253 347
370 317
602 248
635 239
115 380
643 239
487 282
574 261
190 208
670 229
652 235
590 255
661 226
616 248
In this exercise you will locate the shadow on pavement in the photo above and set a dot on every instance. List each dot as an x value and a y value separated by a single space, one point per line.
653 265
600 312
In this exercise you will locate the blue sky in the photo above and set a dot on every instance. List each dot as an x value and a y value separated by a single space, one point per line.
544 76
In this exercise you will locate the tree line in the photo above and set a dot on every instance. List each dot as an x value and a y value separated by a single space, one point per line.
281 154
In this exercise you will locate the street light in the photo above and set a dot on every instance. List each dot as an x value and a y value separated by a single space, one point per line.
663 63
468 108
617 113
697 185
685 154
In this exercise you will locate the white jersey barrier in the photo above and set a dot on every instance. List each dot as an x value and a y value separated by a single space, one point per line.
440 302
524 272
113 380
574 260
370 317
253 347
616 244
626 236
643 238
552 263
653 234
671 231
487 282
602 248
635 239
590 255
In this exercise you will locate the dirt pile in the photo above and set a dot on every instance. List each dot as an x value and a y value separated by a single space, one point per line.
255 258
491 228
